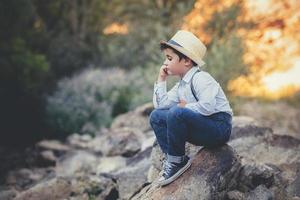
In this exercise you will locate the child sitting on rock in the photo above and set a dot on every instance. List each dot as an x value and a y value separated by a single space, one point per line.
194 110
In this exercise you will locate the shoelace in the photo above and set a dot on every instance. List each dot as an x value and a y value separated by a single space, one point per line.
168 167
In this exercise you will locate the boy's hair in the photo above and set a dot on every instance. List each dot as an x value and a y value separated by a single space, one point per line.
180 55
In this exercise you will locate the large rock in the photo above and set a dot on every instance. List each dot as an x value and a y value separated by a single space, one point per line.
90 186
123 141
79 141
110 164
259 145
282 116
249 179
76 162
57 188
8 194
137 118
130 177
212 174
243 126
261 193
53 145
254 178
294 187
24 178
82 187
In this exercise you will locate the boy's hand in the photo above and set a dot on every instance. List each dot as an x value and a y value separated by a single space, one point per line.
163 73
182 103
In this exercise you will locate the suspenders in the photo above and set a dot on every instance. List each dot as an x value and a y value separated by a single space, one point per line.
192 86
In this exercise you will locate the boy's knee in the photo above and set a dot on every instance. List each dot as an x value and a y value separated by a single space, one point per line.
175 111
154 116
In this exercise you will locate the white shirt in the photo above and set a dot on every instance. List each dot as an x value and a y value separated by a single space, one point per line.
209 92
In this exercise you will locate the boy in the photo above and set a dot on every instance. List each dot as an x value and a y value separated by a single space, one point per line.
195 110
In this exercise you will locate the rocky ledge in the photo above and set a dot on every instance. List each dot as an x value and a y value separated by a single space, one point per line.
212 174
123 162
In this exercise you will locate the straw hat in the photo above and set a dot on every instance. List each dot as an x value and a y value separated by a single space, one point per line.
188 44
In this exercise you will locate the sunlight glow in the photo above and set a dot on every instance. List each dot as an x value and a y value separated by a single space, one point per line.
272 46
277 80
116 28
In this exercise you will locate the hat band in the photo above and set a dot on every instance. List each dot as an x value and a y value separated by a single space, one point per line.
175 43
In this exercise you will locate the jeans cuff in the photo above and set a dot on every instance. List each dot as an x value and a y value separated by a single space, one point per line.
175 159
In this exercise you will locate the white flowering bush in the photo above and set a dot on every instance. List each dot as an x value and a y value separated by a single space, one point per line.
90 100
87 98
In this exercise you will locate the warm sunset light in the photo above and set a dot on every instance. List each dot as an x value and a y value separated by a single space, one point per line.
116 28
272 45
89 109
277 80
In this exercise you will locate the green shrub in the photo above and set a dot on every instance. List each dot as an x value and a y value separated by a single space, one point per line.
90 100
92 97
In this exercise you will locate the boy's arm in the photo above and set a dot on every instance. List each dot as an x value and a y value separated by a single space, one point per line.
206 90
163 99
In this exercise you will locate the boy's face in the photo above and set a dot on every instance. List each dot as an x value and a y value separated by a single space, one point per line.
173 64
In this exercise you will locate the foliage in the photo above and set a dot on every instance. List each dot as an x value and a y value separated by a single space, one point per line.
224 60
225 54
48 50
93 96
148 22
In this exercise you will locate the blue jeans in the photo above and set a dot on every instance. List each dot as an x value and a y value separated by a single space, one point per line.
175 126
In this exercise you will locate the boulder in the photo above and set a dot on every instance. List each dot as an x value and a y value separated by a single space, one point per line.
266 157
137 118
79 141
252 176
259 145
247 127
91 186
282 116
78 187
148 142
294 187
57 188
75 162
255 179
122 141
124 161
110 164
8 194
133 175
54 145
260 193
212 174
49 156
235 195
24 178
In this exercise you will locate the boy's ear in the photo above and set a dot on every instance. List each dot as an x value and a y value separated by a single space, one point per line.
188 61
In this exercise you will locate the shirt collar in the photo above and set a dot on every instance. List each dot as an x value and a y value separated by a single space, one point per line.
187 77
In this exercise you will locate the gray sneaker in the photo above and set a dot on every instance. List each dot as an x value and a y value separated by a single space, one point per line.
163 166
172 171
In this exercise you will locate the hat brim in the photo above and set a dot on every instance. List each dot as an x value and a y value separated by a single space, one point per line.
197 60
